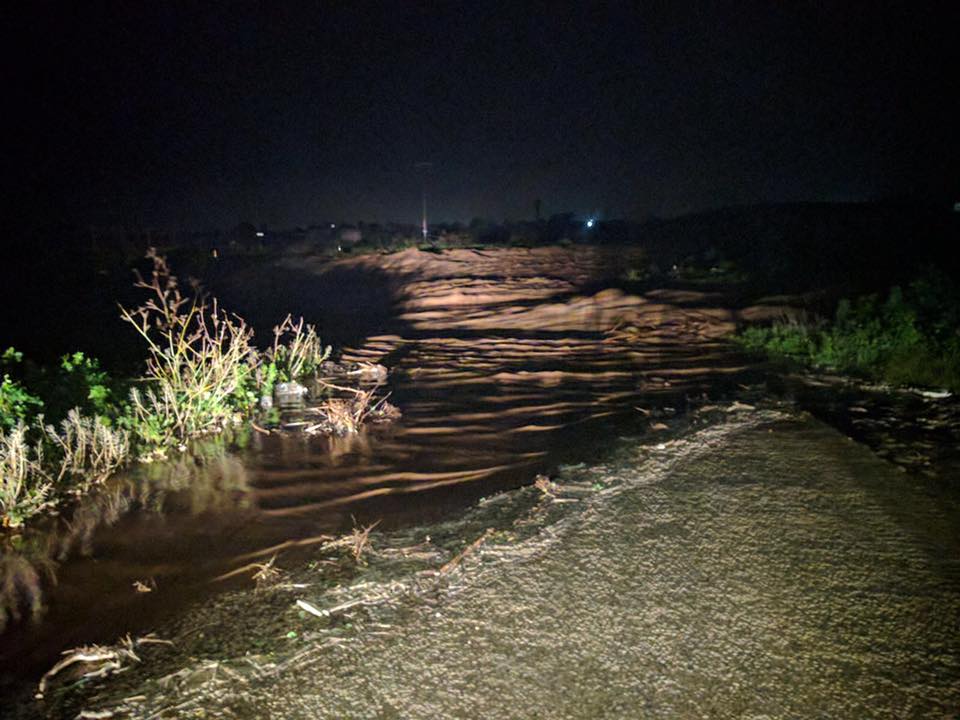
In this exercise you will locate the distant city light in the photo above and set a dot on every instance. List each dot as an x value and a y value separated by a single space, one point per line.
591 222
333 226
259 233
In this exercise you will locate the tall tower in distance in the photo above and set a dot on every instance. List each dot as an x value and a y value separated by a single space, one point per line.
424 168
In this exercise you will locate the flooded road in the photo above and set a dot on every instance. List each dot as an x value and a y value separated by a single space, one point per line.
762 567
773 571
504 364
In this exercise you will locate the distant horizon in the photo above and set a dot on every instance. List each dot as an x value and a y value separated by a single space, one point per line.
944 203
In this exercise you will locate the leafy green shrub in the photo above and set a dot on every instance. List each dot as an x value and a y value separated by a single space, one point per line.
89 383
791 338
911 337
78 382
16 404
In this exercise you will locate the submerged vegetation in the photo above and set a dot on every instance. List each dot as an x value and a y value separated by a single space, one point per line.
207 479
296 352
200 368
66 430
910 337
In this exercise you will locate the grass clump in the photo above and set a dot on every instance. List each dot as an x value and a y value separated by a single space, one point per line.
25 484
40 463
87 449
296 353
200 366
910 337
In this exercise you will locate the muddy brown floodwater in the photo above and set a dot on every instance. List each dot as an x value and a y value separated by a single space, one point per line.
762 567
506 364
503 364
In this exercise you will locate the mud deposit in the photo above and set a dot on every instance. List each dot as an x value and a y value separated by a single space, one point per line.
764 566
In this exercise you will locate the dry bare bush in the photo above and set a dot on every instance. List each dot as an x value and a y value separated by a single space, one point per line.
90 450
345 415
267 573
341 417
25 485
357 542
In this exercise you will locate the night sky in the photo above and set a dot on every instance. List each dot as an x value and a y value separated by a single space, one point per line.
199 115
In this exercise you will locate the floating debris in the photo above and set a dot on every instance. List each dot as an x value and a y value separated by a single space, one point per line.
145 587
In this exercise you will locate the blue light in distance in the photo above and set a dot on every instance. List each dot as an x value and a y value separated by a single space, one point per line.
591 222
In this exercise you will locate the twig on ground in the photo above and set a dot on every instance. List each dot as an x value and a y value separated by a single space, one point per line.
358 541
469 550
266 572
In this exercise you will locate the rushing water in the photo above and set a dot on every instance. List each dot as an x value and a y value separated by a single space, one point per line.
783 569
764 566
498 378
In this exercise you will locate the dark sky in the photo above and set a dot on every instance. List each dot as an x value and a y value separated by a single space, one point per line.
201 114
